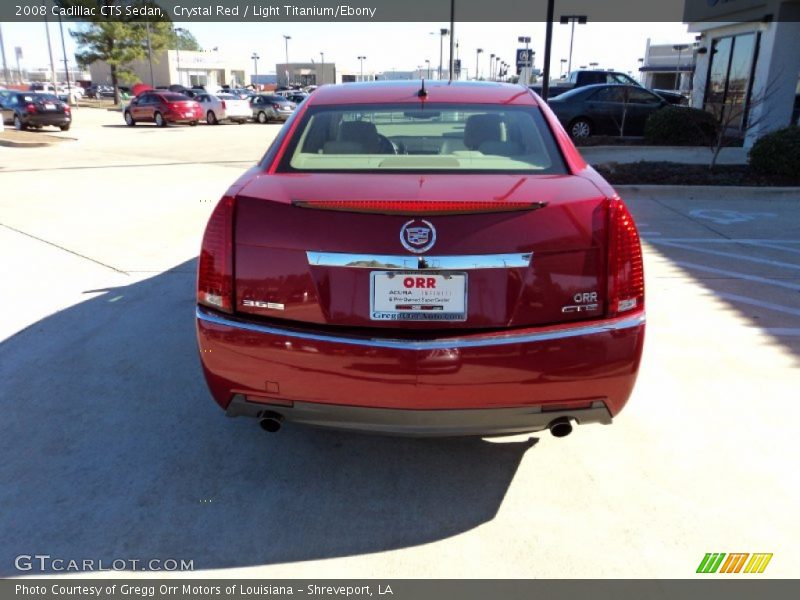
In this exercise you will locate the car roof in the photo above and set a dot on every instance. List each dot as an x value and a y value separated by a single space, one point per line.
377 92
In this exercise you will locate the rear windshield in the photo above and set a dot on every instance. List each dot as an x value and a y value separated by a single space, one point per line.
173 97
434 138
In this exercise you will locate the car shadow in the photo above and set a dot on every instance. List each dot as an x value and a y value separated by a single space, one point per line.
115 450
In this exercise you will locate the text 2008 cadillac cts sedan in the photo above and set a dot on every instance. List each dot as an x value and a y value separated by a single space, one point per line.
425 259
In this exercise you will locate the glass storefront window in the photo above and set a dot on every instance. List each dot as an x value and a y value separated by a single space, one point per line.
728 89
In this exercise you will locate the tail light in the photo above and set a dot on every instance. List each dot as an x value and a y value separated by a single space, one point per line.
215 269
625 266
31 108
223 105
275 105
67 109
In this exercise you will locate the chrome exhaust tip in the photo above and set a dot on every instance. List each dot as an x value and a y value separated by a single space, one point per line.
560 427
271 422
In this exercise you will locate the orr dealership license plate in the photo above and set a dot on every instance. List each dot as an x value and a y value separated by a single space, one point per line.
414 296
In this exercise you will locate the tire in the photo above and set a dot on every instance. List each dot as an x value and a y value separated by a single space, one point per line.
159 119
129 119
211 118
580 128
65 127
262 117
18 124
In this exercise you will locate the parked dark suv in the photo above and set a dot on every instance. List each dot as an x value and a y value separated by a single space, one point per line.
31 109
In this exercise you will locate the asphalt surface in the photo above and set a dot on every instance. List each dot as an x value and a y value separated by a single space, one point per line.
113 448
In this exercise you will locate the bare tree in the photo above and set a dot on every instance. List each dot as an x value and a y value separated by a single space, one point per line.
733 120
623 97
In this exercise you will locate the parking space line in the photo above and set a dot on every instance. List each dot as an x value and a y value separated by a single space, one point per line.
729 241
753 302
97 262
773 247
736 275
763 261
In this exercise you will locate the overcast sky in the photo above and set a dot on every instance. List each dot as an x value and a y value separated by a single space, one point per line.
387 46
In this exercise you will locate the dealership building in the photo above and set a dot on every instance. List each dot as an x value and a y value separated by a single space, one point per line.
747 62
183 67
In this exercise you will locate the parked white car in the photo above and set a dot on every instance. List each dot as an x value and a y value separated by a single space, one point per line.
224 107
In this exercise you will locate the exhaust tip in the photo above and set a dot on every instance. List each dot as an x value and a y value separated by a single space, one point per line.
560 427
271 422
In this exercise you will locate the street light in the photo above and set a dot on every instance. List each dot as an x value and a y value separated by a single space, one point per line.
150 54
286 39
362 59
593 65
680 48
178 32
565 19
491 67
442 32
428 64
477 57
563 62
497 68
255 58
322 69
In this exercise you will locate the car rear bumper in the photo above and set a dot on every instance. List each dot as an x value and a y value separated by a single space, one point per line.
56 119
492 383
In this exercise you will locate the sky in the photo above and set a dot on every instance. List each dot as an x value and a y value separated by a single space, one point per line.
387 46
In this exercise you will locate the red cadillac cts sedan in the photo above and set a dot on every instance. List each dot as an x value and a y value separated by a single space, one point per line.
424 259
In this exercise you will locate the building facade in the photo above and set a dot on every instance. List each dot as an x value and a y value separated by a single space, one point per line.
312 73
668 66
182 67
748 62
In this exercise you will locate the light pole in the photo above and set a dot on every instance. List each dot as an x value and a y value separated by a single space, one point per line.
491 67
563 62
6 76
442 32
178 32
286 39
593 65
680 48
526 70
150 54
322 69
428 66
565 19
255 58
477 60
362 59
66 65
50 50
497 68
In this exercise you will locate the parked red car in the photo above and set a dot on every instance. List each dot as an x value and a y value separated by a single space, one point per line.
426 260
162 108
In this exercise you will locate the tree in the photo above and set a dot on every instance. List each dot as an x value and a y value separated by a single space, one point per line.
182 39
120 41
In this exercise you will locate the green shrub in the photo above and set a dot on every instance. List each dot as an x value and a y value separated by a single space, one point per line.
777 153
680 126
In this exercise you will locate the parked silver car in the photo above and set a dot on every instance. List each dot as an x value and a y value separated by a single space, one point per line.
223 107
271 107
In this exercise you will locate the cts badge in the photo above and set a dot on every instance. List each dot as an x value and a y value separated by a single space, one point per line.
418 236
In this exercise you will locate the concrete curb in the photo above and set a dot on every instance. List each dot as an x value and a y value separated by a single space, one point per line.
727 191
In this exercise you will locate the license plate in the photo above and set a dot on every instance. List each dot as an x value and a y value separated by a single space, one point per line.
49 106
415 296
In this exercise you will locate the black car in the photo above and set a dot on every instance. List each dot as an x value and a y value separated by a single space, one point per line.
31 109
606 109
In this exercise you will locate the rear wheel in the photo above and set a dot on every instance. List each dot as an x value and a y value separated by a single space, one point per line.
262 117
580 128
211 118
129 119
18 124
64 127
159 118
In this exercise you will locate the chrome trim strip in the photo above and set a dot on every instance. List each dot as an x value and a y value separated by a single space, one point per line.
443 263
476 341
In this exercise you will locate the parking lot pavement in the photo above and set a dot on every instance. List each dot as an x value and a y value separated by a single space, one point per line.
114 449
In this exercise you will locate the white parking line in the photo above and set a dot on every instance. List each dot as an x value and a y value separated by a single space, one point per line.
763 261
753 302
773 247
736 275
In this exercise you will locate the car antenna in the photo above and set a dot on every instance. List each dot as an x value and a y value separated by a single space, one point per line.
422 93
